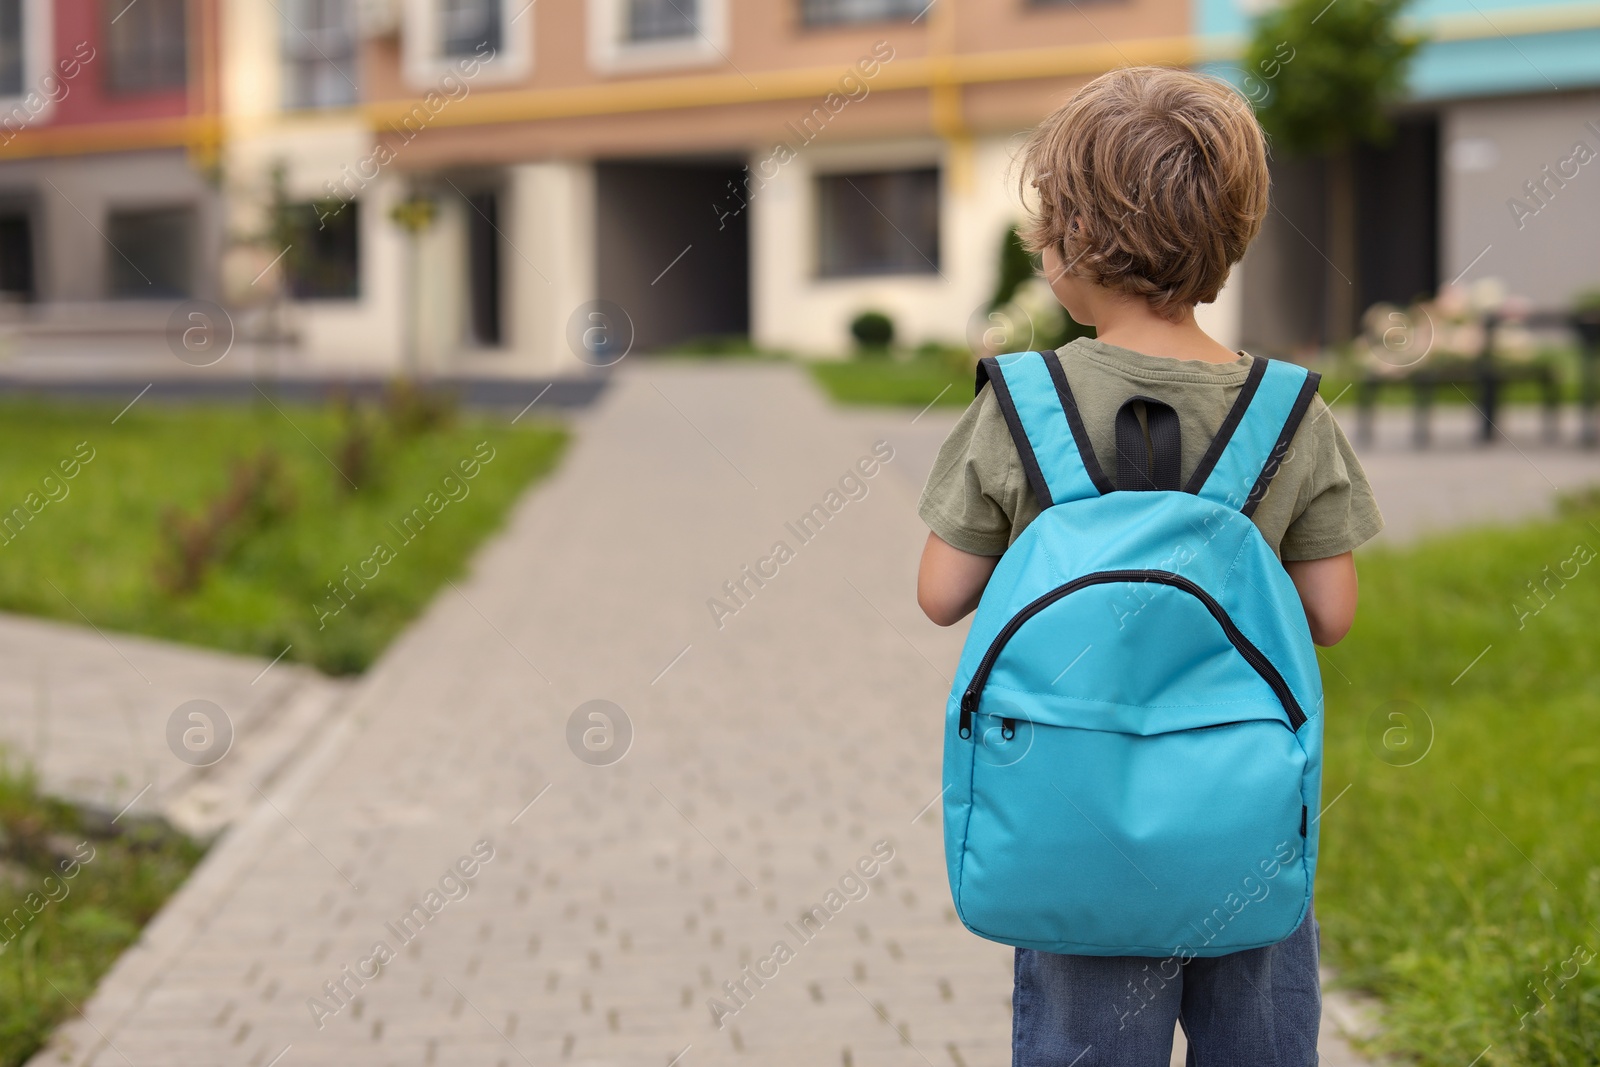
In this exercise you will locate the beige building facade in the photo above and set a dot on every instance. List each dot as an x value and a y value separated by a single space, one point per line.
689 171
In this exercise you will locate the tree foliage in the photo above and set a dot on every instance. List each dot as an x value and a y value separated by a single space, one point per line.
1346 63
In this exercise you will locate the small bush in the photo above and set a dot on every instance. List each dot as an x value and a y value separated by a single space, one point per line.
874 333
412 410
258 495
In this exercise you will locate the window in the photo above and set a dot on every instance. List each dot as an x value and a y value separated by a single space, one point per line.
152 252
146 45
16 256
637 35
11 47
489 42
885 222
661 20
834 12
467 26
319 53
323 261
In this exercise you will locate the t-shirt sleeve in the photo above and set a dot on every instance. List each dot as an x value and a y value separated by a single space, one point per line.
1336 511
970 500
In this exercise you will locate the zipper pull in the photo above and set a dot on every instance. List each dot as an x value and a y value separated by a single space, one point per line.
968 701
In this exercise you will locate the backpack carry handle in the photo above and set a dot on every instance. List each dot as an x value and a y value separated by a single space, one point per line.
1058 458
1153 463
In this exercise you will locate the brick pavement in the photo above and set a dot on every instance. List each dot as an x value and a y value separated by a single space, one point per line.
87 710
768 756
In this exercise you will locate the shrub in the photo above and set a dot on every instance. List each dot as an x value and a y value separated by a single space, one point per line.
1016 267
1587 303
873 331
258 495
412 410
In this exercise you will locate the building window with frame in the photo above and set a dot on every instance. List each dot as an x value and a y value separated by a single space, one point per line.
839 12
147 45
318 48
152 252
661 20
324 258
878 222
16 255
487 41
12 47
468 27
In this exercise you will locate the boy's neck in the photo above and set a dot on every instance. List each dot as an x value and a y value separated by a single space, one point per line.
1132 325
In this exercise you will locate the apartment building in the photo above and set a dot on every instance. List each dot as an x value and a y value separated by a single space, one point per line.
679 168
1489 174
505 186
108 136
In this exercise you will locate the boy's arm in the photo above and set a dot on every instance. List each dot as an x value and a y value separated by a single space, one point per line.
950 581
1327 590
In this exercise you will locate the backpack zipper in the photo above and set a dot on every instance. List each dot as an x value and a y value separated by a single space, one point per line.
1252 655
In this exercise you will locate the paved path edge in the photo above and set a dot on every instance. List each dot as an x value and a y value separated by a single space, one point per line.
189 911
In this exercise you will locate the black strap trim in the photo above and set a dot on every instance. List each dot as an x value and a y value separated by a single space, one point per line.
989 368
1219 444
1069 406
1302 402
1152 461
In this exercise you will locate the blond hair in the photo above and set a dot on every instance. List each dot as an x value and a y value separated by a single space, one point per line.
1150 181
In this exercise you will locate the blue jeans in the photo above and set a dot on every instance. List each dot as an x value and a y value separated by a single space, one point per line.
1257 1008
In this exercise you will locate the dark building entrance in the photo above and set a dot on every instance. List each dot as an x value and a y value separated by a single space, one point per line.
1397 213
671 251
1396 230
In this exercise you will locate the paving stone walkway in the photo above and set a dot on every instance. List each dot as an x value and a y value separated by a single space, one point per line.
88 712
441 879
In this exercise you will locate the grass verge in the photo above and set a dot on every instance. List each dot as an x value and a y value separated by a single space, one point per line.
170 522
915 380
1460 876
75 890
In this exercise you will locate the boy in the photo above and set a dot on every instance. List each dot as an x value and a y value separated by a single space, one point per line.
1150 185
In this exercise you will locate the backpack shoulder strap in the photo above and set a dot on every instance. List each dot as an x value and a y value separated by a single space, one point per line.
1039 409
1241 462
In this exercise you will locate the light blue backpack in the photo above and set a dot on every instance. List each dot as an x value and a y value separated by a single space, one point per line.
1134 737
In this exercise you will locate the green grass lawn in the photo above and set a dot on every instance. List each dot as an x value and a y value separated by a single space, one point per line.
910 381
74 894
1465 889
92 546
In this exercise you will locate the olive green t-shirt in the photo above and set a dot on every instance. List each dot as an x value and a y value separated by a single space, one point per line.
1318 504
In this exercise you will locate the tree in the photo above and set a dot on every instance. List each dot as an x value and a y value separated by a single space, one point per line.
1329 73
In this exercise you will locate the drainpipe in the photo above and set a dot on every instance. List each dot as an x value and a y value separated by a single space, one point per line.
944 94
